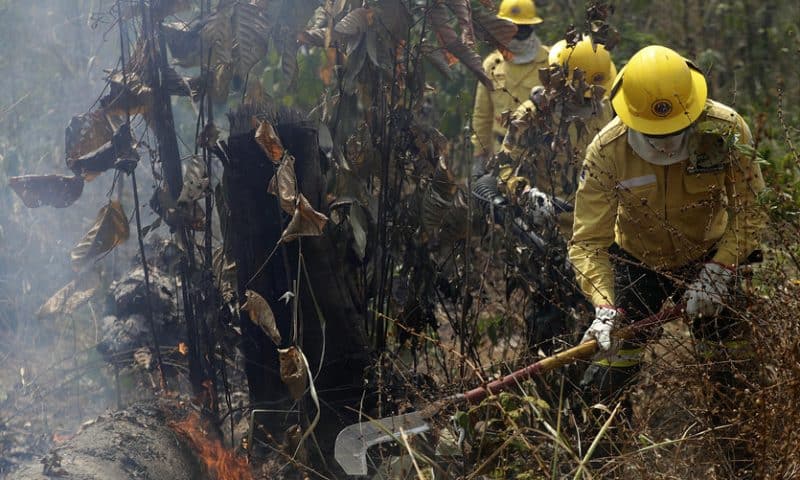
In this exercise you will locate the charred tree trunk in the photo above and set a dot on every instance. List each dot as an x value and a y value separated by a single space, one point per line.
256 222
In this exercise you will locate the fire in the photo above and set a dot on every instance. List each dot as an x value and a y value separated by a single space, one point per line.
183 349
221 463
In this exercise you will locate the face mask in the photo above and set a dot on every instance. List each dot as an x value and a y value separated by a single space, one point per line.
660 150
524 50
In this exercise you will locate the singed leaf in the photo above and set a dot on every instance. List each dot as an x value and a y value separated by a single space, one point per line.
195 182
284 185
260 314
86 133
251 30
54 190
109 230
305 222
267 138
293 371
461 9
70 297
108 156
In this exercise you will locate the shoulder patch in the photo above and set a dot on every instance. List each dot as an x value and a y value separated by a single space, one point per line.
613 130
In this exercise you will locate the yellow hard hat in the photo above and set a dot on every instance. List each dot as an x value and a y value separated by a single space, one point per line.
659 92
596 63
521 12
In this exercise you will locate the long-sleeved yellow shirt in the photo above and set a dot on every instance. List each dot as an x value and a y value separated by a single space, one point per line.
667 216
512 86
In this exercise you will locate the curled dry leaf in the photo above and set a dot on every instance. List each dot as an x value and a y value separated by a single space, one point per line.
86 133
117 152
109 230
293 371
54 190
268 140
69 297
306 222
260 314
195 183
284 185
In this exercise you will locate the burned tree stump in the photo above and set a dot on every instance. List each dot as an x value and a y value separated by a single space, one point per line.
254 226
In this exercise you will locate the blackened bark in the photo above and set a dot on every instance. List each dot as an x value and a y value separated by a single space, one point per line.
256 223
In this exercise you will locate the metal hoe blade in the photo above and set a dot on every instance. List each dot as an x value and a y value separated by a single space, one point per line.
353 441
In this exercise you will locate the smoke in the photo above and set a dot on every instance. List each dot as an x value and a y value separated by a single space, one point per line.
52 55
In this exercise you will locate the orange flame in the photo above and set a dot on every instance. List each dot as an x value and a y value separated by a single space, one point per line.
220 462
183 349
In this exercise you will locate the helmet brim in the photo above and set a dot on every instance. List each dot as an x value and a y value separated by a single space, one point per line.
529 21
607 84
663 126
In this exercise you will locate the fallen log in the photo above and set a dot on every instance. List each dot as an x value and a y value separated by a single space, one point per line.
133 443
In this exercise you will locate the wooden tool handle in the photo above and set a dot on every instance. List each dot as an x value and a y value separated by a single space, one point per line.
584 350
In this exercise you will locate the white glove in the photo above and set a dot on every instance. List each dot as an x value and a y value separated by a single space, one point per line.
539 206
605 321
706 296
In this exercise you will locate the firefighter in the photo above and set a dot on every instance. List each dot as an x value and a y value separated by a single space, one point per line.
540 175
666 208
513 74
532 166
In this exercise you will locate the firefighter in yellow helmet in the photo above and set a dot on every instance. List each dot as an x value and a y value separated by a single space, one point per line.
666 208
538 164
512 78
528 170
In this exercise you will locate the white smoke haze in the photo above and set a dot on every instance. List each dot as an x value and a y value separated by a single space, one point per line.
52 57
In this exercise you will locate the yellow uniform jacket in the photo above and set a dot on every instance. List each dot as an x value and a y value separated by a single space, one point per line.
512 86
556 176
667 216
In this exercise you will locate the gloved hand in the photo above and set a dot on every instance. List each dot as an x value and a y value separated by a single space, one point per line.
539 206
605 321
706 296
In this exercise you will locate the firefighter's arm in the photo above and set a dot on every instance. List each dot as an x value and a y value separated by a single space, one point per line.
593 228
482 122
746 220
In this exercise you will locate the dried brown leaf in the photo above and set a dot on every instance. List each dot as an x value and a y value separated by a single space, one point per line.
306 222
86 133
116 153
70 297
293 371
284 185
109 230
267 138
260 314
54 190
